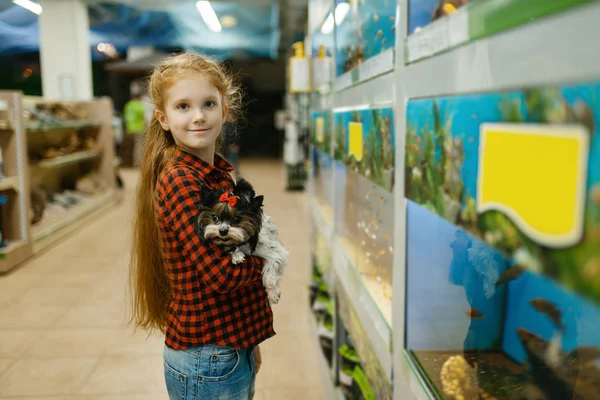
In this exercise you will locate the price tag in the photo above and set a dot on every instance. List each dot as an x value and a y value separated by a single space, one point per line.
458 27
381 63
438 36
343 81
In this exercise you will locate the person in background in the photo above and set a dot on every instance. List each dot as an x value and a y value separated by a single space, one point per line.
134 113
231 147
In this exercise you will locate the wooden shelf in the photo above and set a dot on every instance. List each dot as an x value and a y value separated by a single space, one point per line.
46 127
14 253
9 183
54 227
68 159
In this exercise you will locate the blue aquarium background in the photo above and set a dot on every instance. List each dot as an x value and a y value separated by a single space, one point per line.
455 257
368 29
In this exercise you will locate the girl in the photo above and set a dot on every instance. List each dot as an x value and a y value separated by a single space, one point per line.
214 314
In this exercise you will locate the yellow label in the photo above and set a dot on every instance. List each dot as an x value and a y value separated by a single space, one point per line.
536 175
355 142
319 130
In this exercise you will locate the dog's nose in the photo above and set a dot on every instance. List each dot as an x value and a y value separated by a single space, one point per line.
223 231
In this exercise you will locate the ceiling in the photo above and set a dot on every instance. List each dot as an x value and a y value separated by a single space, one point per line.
263 28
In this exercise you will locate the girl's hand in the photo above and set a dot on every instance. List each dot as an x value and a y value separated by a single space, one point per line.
257 358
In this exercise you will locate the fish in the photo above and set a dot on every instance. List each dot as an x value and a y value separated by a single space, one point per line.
511 274
549 372
584 354
474 314
550 309
379 33
375 17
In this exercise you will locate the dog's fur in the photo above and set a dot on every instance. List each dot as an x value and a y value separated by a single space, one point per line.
243 229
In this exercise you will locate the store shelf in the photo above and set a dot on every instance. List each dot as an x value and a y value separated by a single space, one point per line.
376 92
54 227
331 391
69 159
63 125
9 183
369 69
13 254
371 318
495 63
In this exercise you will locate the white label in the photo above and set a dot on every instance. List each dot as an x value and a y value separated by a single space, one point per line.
458 27
343 81
299 75
377 65
438 36
3 105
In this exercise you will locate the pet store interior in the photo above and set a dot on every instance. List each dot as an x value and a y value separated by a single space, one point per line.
432 167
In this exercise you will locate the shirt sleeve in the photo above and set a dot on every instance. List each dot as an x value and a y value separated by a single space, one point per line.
179 203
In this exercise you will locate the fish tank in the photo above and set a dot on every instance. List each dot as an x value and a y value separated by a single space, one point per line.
363 29
364 154
423 12
322 162
503 243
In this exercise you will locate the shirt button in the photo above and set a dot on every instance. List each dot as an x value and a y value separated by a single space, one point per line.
214 358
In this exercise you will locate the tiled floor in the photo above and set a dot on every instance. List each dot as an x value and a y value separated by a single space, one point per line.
62 335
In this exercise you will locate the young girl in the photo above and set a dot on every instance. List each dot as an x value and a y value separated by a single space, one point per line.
214 314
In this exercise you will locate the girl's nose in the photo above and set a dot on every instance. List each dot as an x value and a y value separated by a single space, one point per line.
199 117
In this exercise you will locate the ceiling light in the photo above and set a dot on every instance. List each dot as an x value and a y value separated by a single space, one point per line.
227 21
29 5
101 46
208 15
341 10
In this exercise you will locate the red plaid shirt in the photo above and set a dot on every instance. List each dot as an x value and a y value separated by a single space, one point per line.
214 301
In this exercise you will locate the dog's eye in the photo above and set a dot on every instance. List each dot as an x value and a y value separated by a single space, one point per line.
236 220
216 218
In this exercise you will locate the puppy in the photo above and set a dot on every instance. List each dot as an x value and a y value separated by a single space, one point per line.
235 221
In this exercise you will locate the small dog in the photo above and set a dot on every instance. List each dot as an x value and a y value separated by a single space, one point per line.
235 221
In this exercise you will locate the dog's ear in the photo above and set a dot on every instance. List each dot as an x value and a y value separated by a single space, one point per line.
244 189
257 202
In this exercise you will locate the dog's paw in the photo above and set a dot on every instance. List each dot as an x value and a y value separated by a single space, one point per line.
238 256
274 295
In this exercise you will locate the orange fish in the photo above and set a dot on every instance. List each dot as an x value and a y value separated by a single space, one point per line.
473 313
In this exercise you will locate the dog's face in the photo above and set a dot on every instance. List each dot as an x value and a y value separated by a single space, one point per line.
230 218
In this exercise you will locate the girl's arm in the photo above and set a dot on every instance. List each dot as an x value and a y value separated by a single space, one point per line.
178 199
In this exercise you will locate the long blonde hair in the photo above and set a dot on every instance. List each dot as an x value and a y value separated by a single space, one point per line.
149 281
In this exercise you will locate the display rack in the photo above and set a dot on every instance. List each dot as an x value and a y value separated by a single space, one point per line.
485 51
14 183
73 156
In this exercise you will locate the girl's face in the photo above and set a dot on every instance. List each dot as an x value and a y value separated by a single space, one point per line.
194 113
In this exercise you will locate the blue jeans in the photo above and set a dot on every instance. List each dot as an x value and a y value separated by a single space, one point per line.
209 372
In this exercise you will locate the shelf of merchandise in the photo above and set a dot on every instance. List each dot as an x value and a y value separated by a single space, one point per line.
69 159
58 126
14 183
332 392
9 183
48 173
55 227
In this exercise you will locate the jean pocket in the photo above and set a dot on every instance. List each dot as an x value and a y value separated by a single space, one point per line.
176 383
222 363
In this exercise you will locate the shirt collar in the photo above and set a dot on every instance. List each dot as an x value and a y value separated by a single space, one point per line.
202 166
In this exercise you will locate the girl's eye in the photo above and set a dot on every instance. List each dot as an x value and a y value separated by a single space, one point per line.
210 104
236 220
216 218
183 106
